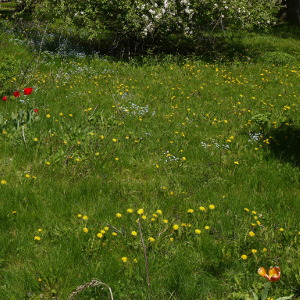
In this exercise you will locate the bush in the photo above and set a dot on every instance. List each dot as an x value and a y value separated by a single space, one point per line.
278 58
141 19
9 68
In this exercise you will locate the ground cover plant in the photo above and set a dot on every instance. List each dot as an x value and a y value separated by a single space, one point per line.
170 178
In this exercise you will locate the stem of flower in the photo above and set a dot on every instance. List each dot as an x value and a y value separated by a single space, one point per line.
145 253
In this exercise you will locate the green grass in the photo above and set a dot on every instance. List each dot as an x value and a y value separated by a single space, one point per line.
157 134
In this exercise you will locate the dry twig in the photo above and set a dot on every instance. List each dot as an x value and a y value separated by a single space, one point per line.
93 283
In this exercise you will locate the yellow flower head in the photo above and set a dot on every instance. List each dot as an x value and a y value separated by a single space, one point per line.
118 215
130 210
175 227
251 233
211 206
134 233
140 211
244 257
124 259
197 231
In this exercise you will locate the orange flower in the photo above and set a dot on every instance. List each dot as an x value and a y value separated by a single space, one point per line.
274 273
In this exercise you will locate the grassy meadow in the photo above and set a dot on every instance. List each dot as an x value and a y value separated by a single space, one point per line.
163 177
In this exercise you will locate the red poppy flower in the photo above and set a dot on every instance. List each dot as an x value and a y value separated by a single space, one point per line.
17 94
273 274
36 110
4 98
28 91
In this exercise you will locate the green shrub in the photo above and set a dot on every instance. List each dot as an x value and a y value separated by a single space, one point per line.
9 68
140 19
278 58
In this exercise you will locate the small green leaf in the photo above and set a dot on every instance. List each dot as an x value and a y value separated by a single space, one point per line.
264 294
285 298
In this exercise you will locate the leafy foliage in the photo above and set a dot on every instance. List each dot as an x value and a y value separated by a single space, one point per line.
142 19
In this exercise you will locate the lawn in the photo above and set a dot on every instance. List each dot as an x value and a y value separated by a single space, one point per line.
163 177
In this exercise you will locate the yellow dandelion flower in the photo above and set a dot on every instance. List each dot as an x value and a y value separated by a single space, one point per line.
118 215
281 229
151 239
100 235
175 227
85 217
171 239
202 208
264 249
130 210
3 181
197 231
106 228
251 233
79 215
190 210
207 227
124 259
114 234
140 211
165 221
134 233
254 251
48 116
244 257
144 217
159 212
37 238
85 230
211 206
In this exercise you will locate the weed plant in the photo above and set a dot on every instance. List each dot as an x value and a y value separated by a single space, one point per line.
200 158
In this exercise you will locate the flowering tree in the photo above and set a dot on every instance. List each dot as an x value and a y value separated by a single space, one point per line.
153 18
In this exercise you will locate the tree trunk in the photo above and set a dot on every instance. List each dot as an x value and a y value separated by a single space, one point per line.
292 11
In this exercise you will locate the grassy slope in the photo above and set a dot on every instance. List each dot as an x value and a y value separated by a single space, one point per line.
182 141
